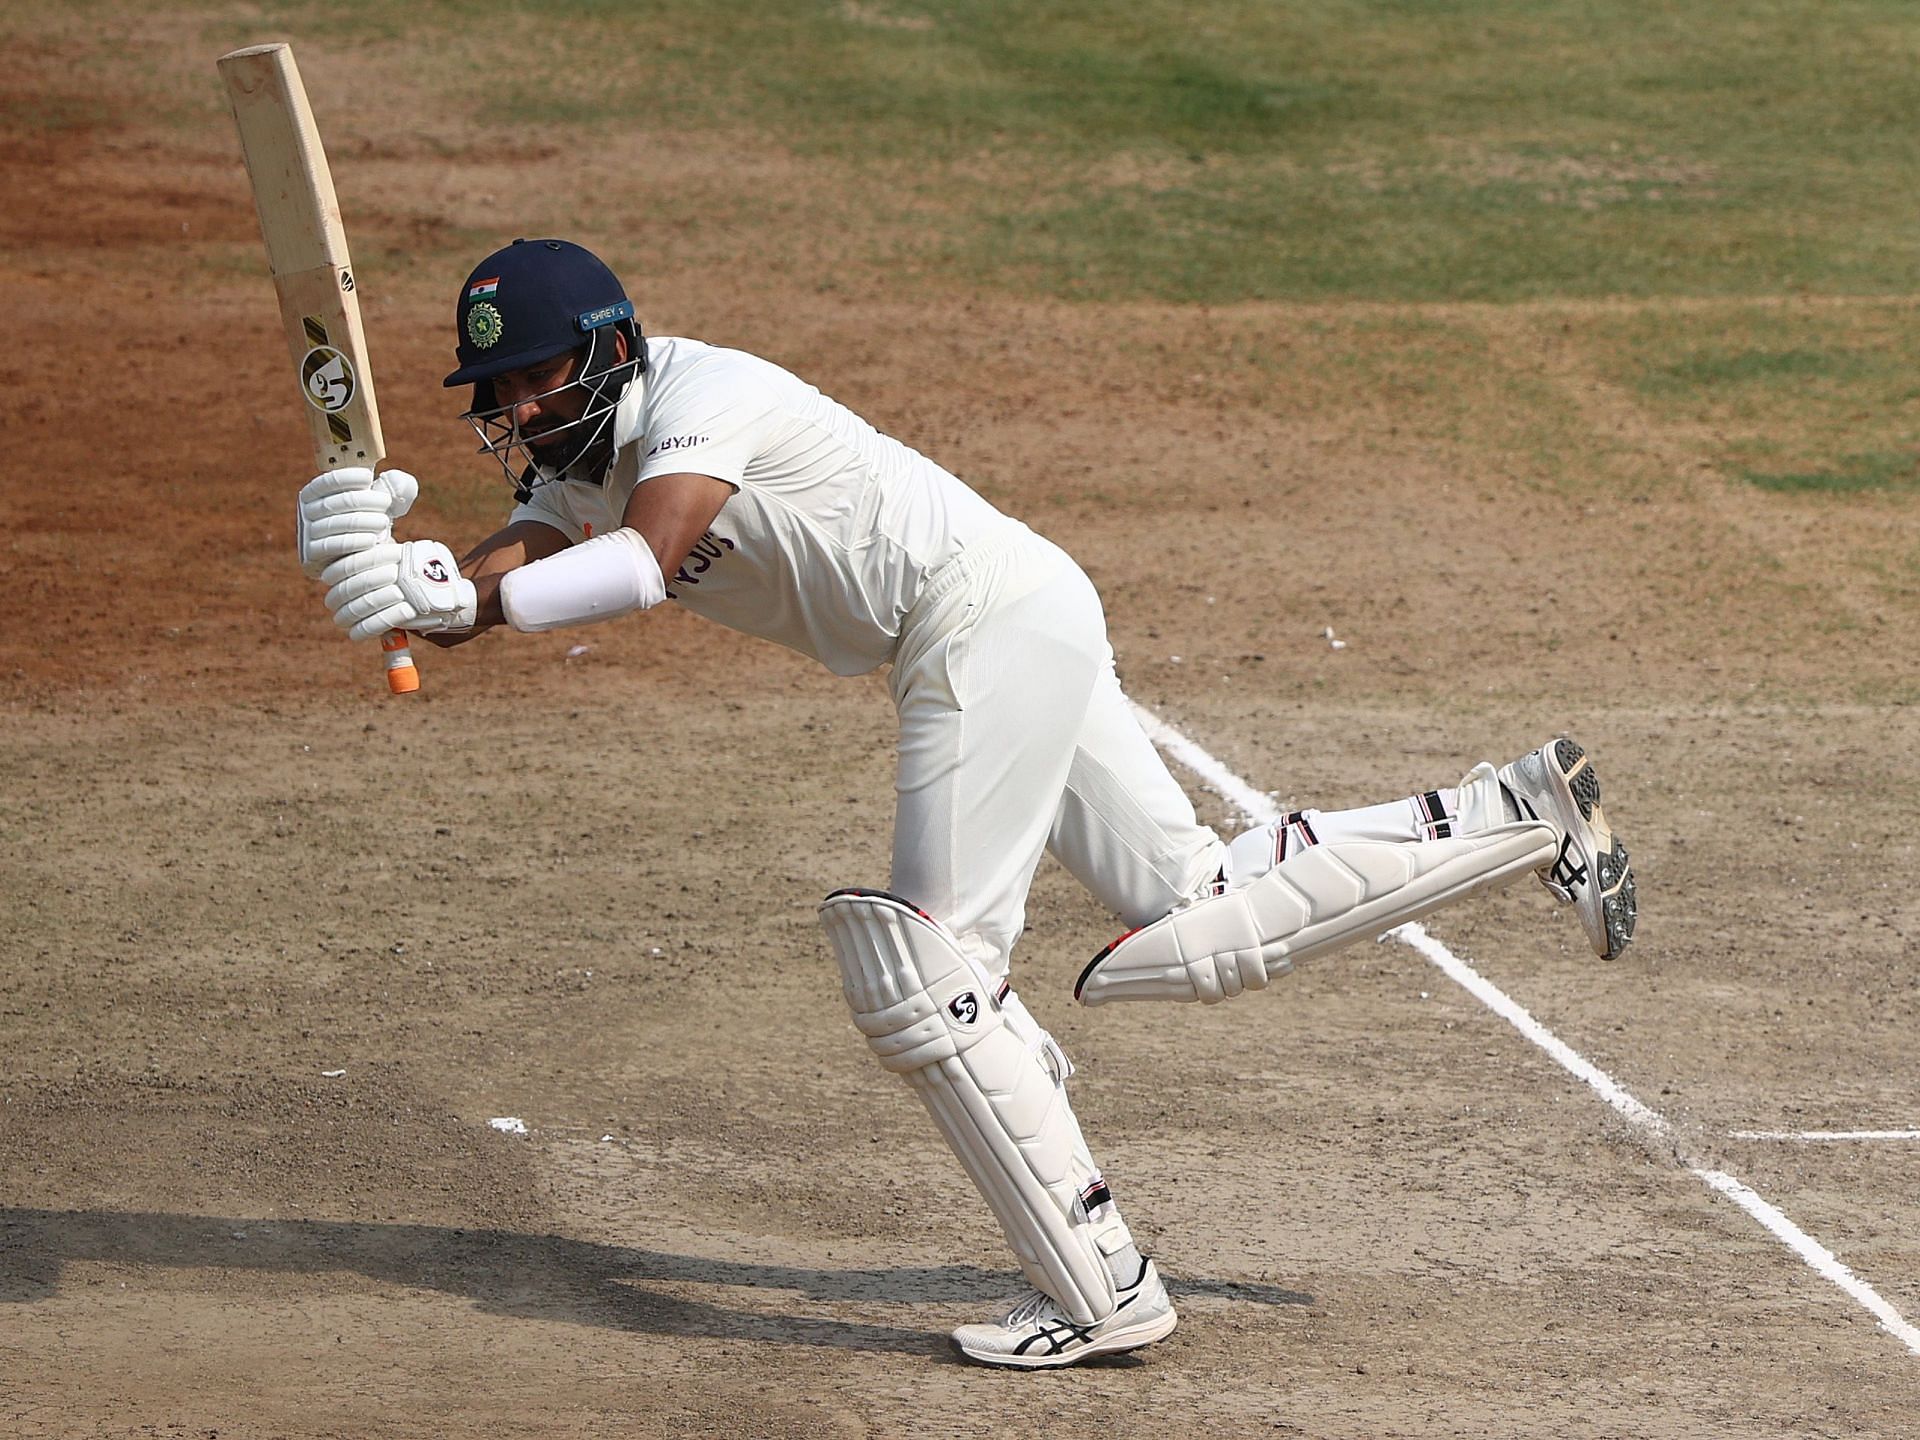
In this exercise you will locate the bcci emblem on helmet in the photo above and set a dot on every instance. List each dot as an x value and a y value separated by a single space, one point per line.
484 326
535 301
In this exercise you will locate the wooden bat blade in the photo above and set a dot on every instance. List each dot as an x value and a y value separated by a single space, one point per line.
307 253
312 274
292 186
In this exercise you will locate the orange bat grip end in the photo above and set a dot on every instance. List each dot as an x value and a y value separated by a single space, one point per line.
402 678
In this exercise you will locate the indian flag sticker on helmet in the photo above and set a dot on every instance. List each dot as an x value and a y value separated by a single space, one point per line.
484 326
483 288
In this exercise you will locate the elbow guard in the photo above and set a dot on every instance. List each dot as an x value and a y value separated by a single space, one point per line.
609 575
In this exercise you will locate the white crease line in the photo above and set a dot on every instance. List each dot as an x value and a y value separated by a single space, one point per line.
1257 806
1823 1134
1260 809
1822 1260
1510 1010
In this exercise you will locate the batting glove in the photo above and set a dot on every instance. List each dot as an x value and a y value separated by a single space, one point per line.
416 586
348 510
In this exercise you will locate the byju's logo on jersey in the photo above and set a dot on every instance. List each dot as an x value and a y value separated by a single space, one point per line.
707 549
964 1007
675 442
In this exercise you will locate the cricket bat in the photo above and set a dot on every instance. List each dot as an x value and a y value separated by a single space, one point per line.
307 253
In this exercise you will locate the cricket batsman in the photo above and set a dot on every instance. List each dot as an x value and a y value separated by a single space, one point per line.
656 469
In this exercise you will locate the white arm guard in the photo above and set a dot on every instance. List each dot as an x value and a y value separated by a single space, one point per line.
601 578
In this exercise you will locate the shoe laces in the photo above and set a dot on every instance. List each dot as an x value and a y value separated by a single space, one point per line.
1026 1311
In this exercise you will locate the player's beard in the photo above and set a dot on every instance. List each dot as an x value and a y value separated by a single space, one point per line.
557 448
595 457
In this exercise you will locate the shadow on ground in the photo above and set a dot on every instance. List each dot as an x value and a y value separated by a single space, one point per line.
534 1276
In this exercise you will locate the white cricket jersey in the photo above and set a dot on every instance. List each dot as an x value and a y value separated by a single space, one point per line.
833 528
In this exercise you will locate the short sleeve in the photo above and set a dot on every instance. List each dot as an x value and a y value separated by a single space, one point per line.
713 422
545 505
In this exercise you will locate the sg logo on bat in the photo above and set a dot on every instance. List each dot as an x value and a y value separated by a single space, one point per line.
327 379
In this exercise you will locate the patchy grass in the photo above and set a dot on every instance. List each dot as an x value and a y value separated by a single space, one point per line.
1847 474
1218 150
1408 154
1795 397
1719 367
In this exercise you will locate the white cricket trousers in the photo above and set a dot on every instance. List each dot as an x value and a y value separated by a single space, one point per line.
1015 739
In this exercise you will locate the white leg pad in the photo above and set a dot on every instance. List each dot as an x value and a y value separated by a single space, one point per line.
1317 901
994 1082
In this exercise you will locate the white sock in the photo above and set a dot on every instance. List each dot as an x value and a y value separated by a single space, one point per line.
1430 815
1125 1265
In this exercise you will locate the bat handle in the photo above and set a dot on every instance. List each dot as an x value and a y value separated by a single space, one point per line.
402 678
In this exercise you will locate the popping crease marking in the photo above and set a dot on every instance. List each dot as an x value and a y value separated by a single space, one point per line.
1259 809
1817 1136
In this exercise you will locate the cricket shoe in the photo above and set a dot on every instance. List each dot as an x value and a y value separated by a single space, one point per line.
1556 784
1036 1334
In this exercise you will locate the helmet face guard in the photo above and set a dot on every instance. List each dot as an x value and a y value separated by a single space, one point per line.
579 448
529 303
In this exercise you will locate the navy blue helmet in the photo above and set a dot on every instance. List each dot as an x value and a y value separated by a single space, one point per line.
529 302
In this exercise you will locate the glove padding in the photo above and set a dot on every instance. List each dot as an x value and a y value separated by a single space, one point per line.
416 586
348 510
